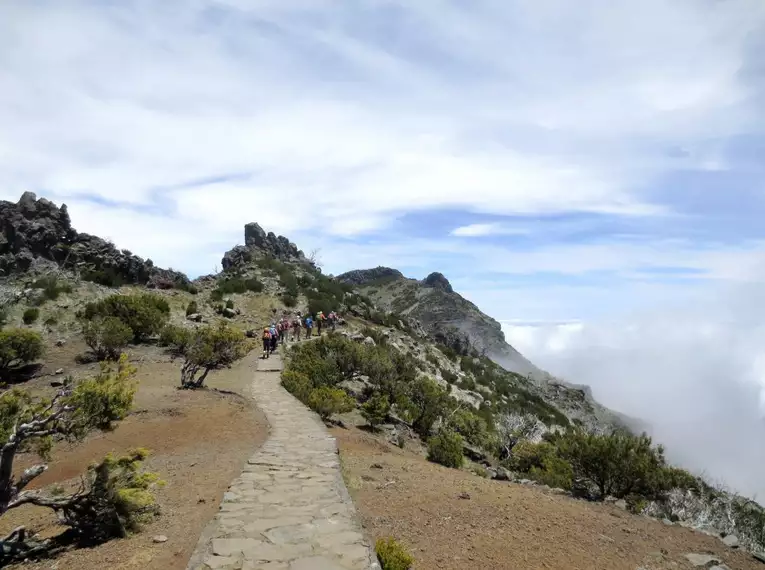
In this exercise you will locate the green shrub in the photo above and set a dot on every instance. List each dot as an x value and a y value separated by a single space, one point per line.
108 396
106 336
175 338
376 409
50 321
216 295
192 308
554 472
229 304
297 384
145 314
470 426
19 347
392 555
51 287
289 300
327 401
211 348
446 448
120 498
31 315
425 402
235 285
618 464
107 277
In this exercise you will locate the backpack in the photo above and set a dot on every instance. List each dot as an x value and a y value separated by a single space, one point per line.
266 334
309 322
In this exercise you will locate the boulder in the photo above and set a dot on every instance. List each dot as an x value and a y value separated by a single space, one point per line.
369 341
195 317
501 474
701 560
731 541
228 313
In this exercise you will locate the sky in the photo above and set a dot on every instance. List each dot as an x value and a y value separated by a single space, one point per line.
591 174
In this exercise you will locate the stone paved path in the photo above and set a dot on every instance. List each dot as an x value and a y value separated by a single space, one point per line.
289 509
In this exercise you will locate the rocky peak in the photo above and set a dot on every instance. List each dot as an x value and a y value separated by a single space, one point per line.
258 243
437 280
364 276
35 232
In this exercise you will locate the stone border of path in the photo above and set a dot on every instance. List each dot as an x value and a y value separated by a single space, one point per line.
289 509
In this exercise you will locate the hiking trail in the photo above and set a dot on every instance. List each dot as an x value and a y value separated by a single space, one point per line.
289 509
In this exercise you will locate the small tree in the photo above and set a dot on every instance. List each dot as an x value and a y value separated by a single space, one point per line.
376 409
19 347
427 402
211 348
106 336
514 428
327 401
27 423
446 448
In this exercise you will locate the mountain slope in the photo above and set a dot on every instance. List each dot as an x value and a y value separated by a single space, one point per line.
451 320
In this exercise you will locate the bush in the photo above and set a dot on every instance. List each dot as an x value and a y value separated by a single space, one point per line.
19 347
376 409
120 499
297 384
425 402
176 338
106 336
211 348
31 315
327 401
229 304
289 300
145 314
236 285
470 426
107 277
51 287
618 464
192 308
446 448
392 555
107 397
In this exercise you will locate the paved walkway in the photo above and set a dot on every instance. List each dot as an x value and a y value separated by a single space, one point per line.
289 509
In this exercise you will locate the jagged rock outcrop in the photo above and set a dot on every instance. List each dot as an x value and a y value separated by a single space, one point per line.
362 277
35 233
437 280
258 243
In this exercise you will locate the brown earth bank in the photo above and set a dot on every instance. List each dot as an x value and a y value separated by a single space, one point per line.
199 441
504 526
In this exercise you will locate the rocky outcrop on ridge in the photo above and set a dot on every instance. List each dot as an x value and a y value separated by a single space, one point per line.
35 234
258 243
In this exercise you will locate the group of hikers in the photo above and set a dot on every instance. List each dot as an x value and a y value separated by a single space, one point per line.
290 327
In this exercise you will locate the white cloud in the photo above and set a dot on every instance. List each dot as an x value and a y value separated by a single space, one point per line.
693 370
481 230
122 100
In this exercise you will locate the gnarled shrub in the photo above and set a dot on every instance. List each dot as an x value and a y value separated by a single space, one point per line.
446 448
106 336
19 347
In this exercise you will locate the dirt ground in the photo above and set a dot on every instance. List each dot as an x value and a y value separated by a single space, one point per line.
504 526
199 442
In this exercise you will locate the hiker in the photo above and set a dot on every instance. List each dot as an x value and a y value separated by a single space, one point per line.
308 326
296 326
319 321
274 337
333 321
266 342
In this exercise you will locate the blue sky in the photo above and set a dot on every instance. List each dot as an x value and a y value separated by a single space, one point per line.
589 163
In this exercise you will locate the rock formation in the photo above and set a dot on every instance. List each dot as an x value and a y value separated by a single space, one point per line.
37 233
258 243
